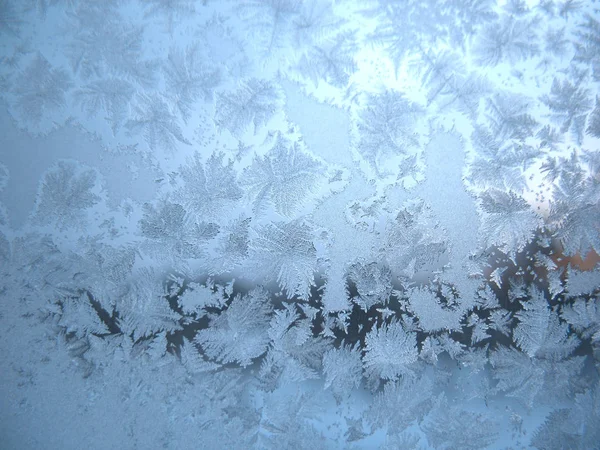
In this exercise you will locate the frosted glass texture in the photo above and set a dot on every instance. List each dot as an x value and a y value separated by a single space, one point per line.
286 224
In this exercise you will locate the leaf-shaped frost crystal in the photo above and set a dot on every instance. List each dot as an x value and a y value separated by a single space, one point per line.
582 282
451 427
285 176
41 88
509 222
65 192
294 355
508 117
400 402
438 72
193 361
189 78
111 95
343 370
79 316
533 324
539 332
588 44
390 351
386 128
144 309
574 212
569 103
154 119
517 374
285 252
332 62
254 103
170 234
233 246
208 188
373 283
497 164
239 334
509 40
101 48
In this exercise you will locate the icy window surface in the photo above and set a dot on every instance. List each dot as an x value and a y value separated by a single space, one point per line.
299 224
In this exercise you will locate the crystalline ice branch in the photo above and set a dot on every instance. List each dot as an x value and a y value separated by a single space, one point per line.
254 103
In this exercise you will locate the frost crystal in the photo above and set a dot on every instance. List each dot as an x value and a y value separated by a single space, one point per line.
285 176
390 351
239 334
255 102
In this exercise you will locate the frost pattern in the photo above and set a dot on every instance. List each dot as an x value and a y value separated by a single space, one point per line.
41 90
386 129
461 428
111 95
508 220
332 62
190 78
285 176
343 370
390 352
144 309
153 117
240 333
509 39
569 104
65 192
286 253
255 102
208 188
300 224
